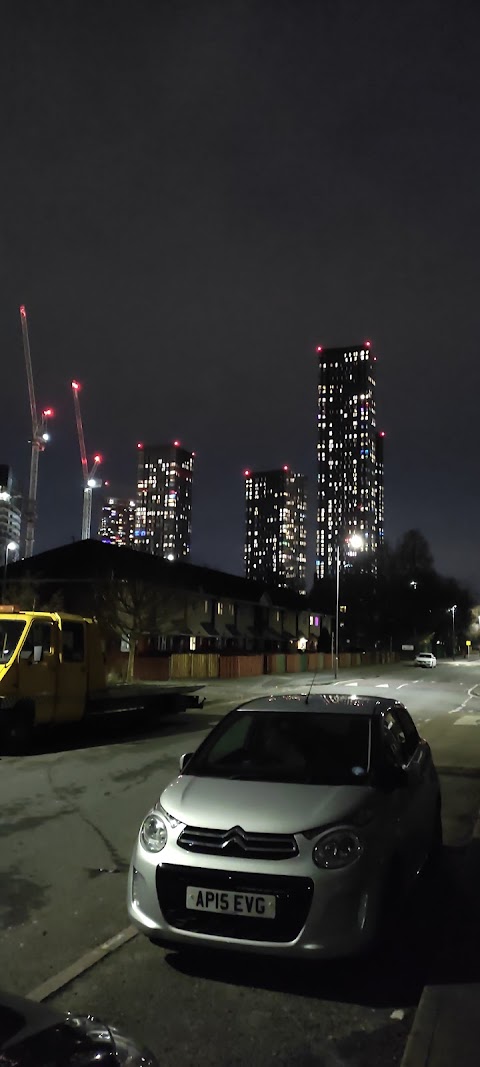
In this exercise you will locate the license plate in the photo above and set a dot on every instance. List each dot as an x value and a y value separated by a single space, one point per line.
253 905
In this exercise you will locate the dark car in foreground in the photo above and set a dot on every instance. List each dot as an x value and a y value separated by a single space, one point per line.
291 831
34 1035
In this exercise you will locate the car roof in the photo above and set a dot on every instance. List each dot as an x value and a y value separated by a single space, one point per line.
333 703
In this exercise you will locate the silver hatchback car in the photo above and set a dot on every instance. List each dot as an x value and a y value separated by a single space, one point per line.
290 830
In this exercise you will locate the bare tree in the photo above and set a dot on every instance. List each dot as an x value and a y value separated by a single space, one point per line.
32 594
132 609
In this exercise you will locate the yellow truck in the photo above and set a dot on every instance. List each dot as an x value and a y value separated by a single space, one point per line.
52 670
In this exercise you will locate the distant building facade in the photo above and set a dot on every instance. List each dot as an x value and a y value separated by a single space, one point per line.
163 524
275 528
10 515
198 609
117 522
350 458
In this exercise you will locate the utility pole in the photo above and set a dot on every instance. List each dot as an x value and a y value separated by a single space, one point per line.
40 436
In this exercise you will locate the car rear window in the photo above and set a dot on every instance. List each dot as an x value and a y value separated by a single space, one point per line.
304 748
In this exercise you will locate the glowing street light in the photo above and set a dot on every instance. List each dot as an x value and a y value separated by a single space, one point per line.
453 610
355 541
10 547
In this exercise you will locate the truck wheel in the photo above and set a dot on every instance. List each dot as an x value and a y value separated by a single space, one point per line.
17 731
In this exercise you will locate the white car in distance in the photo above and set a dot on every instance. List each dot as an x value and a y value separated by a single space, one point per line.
425 659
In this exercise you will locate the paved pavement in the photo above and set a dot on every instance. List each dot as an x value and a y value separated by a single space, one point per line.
70 812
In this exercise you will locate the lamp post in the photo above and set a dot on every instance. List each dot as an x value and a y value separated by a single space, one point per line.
355 541
453 610
10 547
413 585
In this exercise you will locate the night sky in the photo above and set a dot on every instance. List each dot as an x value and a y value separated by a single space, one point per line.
195 194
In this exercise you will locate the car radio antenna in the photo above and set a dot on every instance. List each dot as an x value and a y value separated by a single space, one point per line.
312 683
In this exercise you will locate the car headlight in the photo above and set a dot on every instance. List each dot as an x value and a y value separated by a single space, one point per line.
153 832
337 848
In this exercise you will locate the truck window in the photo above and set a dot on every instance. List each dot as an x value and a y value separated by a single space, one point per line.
39 634
73 645
10 633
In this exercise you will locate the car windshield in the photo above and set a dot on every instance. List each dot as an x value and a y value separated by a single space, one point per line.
10 633
300 747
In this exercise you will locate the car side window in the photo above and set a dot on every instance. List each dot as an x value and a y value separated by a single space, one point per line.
412 739
393 738
73 650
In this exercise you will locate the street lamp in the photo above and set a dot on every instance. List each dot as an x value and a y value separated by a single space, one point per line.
413 585
10 547
453 610
355 542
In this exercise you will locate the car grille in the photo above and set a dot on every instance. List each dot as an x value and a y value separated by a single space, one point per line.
293 900
238 842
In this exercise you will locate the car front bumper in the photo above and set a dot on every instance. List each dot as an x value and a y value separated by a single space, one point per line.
319 913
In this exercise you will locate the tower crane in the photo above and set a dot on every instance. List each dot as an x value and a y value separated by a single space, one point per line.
40 436
90 482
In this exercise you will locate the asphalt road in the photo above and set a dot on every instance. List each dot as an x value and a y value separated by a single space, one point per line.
70 812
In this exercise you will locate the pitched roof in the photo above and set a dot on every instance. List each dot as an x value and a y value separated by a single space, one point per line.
92 560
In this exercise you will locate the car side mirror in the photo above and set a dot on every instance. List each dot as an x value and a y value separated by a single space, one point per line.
392 777
184 760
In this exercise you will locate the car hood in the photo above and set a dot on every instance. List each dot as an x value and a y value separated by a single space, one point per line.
262 807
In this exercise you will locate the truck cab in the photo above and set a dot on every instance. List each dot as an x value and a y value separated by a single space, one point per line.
49 663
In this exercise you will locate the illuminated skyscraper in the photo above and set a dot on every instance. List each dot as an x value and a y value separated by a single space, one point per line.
275 534
117 522
163 523
350 458
10 516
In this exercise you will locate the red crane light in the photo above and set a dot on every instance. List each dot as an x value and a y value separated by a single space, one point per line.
176 444
285 467
97 459
247 474
75 385
139 446
48 413
23 312
319 348
367 344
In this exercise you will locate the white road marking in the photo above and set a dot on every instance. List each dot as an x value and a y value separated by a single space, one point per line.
402 686
382 685
470 696
89 959
427 720
351 683
467 720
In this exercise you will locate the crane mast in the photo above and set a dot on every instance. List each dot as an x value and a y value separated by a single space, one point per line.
89 481
38 441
